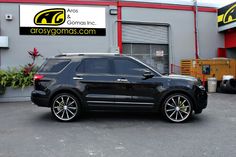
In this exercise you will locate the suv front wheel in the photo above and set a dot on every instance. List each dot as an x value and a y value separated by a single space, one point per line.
177 108
65 107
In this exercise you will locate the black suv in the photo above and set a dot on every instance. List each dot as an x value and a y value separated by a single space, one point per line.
71 84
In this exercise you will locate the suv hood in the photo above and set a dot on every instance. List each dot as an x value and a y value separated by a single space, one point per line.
182 80
189 78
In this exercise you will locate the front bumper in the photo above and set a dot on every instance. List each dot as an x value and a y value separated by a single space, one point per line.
200 99
40 98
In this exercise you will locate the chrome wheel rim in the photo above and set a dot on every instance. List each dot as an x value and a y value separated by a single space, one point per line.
177 108
65 107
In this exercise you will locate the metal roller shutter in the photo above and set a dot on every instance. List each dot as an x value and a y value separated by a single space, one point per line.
144 34
145 42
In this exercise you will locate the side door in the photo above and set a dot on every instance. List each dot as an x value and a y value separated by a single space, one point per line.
133 84
96 81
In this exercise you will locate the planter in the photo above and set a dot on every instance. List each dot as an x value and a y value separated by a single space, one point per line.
12 94
2 89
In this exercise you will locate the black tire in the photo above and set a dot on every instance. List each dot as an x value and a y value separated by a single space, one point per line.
177 108
66 107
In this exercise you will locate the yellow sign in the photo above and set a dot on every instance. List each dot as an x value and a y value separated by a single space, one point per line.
52 17
58 20
226 15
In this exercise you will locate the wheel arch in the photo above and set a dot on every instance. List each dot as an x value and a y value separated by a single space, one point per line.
177 91
73 92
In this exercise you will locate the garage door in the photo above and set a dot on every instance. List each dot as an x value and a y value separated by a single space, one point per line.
145 34
148 43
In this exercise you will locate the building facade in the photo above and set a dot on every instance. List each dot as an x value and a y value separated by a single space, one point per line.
159 34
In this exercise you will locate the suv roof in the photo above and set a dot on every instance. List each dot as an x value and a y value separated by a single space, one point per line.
87 54
79 56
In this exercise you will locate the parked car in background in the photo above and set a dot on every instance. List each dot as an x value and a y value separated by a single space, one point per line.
71 84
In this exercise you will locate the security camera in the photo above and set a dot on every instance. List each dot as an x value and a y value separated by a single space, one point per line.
8 17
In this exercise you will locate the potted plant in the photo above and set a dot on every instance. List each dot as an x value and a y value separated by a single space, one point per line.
2 89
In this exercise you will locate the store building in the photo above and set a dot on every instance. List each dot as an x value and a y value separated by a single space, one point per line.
159 34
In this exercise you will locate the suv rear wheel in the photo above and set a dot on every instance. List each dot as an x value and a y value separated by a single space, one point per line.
65 107
177 108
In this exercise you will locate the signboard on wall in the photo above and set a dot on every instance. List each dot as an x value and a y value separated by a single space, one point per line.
62 20
160 53
227 17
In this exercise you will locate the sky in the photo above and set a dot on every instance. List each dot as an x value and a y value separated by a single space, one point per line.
210 3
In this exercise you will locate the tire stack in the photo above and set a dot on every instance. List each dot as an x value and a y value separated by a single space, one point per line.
228 85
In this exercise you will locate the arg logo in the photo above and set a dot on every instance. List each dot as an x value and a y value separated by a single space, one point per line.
230 15
227 16
50 17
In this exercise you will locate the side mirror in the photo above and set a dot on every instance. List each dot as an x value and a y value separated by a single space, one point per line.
148 74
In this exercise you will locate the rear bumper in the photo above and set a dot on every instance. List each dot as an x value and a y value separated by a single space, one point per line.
40 98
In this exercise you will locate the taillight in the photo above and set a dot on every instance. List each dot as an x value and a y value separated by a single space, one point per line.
38 77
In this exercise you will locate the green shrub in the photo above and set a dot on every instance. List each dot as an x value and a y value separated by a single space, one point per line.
5 78
21 77
17 78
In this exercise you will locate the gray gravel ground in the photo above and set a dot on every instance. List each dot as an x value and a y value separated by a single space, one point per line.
29 131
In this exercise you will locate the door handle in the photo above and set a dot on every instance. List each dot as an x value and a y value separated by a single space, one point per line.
78 78
122 80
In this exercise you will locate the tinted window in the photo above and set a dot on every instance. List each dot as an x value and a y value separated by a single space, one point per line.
54 65
94 66
80 68
128 67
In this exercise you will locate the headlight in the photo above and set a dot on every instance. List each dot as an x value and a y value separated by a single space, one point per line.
201 87
198 82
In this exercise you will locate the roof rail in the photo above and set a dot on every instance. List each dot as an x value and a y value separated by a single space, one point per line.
85 54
